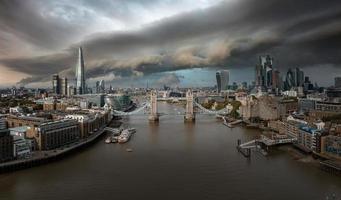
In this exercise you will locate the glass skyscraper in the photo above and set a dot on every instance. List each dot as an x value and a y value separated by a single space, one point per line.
80 77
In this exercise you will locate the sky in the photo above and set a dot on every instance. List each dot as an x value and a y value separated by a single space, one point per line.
174 42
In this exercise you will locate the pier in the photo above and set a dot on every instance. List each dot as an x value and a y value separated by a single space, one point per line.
264 141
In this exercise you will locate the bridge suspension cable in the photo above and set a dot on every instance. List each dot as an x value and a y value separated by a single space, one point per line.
222 111
144 105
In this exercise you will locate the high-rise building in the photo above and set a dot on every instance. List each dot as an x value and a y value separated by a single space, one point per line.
222 79
299 77
290 80
100 87
276 80
338 82
295 78
63 86
80 76
56 84
264 72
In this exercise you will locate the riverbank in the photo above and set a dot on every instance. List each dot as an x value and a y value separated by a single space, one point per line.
44 157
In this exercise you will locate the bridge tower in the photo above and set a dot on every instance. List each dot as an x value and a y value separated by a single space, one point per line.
153 115
189 115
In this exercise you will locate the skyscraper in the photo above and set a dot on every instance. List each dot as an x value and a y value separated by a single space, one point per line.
299 77
338 82
80 77
63 86
100 87
56 84
264 72
290 80
222 79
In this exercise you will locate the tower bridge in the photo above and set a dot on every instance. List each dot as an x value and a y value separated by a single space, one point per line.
151 108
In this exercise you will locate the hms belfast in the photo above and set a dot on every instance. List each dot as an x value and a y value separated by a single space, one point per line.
80 77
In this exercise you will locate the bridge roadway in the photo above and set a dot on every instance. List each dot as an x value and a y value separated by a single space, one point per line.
147 105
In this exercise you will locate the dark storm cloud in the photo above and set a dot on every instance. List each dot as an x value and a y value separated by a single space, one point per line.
296 32
30 21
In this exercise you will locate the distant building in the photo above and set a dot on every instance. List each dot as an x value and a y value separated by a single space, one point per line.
63 86
59 85
56 84
294 78
80 74
89 100
118 101
71 90
222 77
100 86
338 82
264 72
267 108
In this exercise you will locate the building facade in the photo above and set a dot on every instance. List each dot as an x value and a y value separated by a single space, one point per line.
222 77
52 135
6 146
331 146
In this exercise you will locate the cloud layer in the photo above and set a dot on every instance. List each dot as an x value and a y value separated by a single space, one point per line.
230 33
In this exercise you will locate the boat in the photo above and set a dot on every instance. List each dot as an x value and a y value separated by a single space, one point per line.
125 136
117 132
132 130
108 140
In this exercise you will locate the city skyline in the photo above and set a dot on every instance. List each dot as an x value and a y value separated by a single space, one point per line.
125 46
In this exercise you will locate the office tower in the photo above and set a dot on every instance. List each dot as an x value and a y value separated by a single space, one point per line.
71 90
80 77
97 87
290 80
338 82
63 86
218 76
101 86
276 79
222 79
56 84
299 75
264 72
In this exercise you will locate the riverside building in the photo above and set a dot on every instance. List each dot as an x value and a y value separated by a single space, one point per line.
52 135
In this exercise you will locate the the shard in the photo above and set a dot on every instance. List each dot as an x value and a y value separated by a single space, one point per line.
80 78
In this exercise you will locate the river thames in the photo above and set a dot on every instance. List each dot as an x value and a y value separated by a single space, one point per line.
173 160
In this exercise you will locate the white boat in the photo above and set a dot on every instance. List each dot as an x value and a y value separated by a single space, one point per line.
108 140
125 136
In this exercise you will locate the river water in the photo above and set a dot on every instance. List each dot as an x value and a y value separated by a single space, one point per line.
173 160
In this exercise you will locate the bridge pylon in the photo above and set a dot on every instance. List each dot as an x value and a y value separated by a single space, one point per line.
153 115
190 115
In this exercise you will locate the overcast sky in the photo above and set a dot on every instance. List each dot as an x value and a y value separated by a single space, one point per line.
133 40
